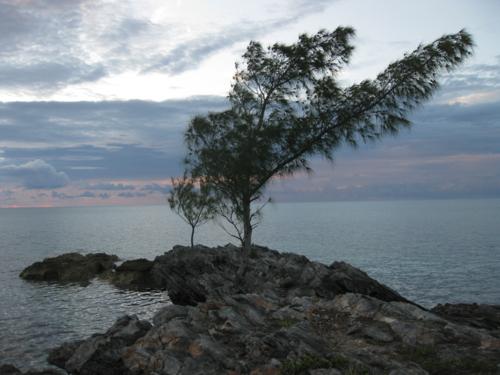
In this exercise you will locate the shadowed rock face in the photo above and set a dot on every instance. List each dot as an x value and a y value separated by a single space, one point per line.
101 353
133 274
474 315
192 275
71 267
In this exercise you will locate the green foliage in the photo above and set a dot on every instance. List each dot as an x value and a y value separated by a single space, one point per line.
286 106
194 206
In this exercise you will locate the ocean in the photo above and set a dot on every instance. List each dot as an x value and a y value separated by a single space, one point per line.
431 252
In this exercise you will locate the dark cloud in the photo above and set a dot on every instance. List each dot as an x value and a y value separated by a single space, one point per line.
49 75
156 188
36 174
109 186
132 194
143 140
101 123
85 194
59 195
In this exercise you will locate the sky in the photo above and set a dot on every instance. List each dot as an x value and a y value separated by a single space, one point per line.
95 96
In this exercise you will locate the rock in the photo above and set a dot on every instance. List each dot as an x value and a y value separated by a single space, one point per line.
169 312
59 356
11 370
133 274
345 278
70 267
191 275
276 313
101 353
473 315
352 333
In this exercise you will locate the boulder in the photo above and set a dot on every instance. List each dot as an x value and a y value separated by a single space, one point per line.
133 274
70 267
101 353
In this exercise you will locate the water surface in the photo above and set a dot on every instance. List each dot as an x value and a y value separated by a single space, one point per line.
429 251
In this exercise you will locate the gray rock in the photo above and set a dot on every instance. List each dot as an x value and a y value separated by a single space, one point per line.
192 275
102 353
273 313
473 315
169 312
12 370
70 267
60 355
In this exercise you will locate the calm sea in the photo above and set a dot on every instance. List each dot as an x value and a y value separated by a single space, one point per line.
429 251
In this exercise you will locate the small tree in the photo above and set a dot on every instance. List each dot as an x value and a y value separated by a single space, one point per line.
194 206
286 106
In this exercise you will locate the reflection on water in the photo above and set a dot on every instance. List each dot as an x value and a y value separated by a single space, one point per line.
429 251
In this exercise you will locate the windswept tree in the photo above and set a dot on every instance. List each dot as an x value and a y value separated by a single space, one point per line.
286 106
194 205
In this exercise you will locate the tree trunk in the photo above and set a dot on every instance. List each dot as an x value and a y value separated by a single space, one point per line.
247 226
192 236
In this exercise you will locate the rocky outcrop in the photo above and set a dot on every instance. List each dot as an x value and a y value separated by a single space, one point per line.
70 267
192 275
267 313
253 334
473 314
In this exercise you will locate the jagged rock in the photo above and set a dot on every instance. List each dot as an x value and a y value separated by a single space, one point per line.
101 353
133 274
276 313
12 370
59 356
474 315
193 275
70 267
352 333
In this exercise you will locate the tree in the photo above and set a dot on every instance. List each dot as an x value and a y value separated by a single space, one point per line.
194 206
286 106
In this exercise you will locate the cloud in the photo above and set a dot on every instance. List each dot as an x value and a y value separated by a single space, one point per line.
190 54
49 75
46 45
110 186
156 188
36 174
132 194
101 123
7 196
85 194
